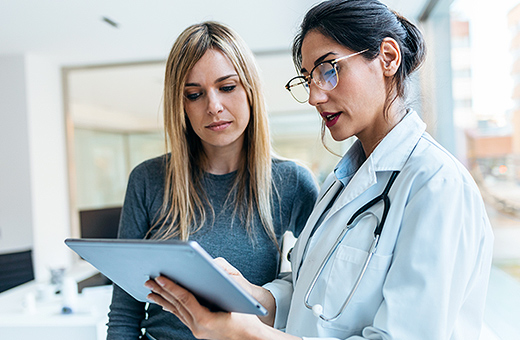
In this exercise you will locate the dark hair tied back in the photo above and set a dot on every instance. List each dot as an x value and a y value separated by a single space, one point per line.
413 46
363 24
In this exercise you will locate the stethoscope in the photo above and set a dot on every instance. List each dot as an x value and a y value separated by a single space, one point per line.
317 309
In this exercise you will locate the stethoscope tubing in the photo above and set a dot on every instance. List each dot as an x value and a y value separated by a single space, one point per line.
373 247
329 255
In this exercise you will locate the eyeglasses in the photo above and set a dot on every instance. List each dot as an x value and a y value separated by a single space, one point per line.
324 75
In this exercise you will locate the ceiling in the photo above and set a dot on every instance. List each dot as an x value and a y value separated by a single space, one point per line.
116 71
74 32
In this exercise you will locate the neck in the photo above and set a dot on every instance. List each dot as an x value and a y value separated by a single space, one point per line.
221 161
382 127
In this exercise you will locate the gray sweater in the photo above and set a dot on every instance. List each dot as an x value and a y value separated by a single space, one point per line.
256 257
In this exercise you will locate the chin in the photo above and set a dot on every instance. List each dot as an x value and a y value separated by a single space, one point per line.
339 137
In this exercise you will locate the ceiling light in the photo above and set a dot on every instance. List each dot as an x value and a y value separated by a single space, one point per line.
110 22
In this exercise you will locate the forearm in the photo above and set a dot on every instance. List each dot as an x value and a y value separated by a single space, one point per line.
266 299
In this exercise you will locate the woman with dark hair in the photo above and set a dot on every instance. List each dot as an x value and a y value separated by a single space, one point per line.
399 245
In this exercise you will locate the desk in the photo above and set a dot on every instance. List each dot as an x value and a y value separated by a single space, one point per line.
44 320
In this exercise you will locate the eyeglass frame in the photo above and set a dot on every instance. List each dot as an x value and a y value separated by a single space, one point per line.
309 77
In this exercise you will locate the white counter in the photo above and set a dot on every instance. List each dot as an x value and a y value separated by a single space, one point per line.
32 311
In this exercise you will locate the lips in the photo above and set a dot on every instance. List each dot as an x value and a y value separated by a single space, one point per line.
330 118
218 126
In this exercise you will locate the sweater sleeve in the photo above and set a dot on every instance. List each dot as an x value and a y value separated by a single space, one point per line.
304 196
125 316
126 313
301 192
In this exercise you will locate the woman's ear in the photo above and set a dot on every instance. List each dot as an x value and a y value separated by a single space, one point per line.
390 54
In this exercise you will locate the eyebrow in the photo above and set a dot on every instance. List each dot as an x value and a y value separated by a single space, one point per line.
319 60
218 80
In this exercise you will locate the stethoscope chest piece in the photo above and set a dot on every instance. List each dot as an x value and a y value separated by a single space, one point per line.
317 310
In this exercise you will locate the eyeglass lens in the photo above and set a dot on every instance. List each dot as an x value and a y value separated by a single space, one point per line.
324 76
299 89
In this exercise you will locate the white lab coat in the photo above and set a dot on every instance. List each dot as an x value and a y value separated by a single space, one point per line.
428 278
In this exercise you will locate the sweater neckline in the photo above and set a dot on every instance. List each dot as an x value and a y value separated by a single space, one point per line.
220 177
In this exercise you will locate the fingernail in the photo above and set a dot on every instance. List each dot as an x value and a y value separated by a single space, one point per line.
160 281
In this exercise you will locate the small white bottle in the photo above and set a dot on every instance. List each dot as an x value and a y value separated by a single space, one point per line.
70 295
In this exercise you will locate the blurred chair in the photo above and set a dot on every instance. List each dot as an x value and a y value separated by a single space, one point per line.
15 269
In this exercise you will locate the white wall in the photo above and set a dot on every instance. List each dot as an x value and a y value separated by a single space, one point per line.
16 217
34 208
47 142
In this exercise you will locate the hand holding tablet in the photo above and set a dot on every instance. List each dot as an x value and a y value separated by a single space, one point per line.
130 263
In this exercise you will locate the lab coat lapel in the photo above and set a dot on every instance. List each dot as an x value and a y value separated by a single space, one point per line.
364 178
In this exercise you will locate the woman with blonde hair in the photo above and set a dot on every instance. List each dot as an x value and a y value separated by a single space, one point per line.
220 184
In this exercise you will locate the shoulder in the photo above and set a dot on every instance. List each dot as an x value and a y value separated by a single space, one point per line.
151 167
431 163
149 173
289 167
294 182
291 173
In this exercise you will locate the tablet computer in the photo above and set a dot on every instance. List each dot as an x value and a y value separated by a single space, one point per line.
130 263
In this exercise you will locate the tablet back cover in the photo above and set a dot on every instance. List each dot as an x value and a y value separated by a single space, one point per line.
130 263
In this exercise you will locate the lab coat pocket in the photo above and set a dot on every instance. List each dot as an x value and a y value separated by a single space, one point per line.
347 265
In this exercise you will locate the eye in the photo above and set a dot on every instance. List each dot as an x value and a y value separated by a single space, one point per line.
228 88
329 74
193 96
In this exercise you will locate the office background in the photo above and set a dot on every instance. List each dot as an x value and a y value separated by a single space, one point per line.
80 97
41 40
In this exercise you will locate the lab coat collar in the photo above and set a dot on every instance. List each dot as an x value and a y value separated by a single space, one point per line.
397 146
390 155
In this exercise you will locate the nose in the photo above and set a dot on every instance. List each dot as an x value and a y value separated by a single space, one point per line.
214 104
317 96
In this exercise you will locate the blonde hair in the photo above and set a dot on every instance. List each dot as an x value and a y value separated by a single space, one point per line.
183 211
